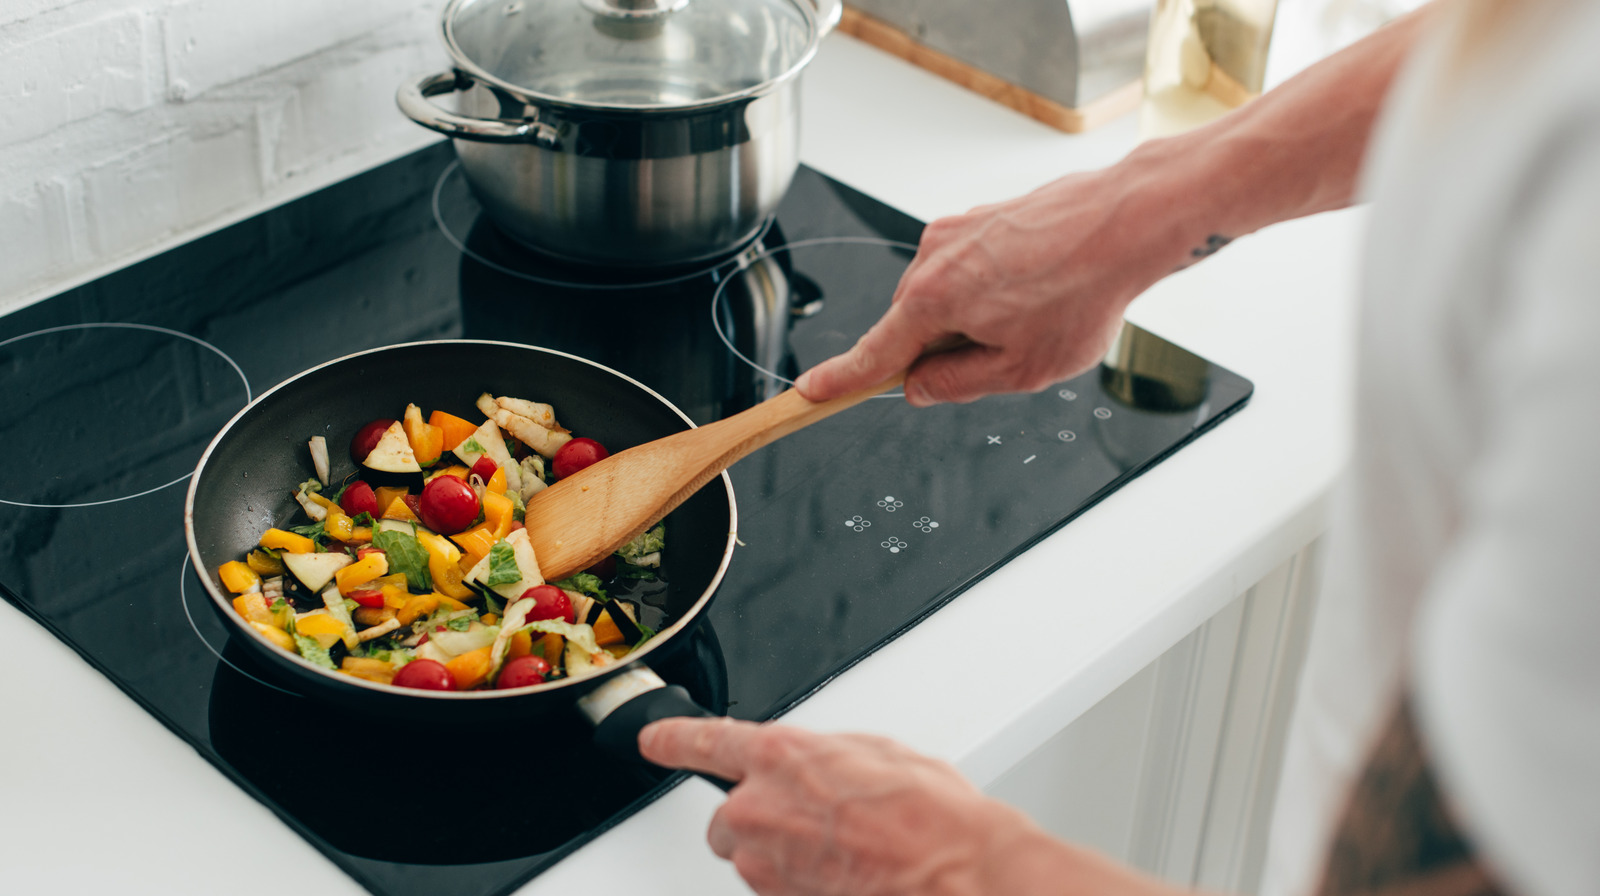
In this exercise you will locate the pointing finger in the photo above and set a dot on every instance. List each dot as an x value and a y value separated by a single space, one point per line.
716 746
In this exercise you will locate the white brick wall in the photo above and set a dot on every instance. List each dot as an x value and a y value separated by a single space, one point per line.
127 124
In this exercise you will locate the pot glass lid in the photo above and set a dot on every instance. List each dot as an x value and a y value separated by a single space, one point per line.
630 54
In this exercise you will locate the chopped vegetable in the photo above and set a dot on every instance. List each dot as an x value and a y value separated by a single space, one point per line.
319 458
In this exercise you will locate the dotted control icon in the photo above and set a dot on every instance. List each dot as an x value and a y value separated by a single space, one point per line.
857 523
895 545
888 502
925 524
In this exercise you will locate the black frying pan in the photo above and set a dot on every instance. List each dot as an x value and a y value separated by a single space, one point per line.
244 483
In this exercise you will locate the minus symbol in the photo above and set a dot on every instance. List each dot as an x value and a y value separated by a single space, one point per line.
1030 458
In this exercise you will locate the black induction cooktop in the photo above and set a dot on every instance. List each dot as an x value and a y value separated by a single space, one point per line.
852 530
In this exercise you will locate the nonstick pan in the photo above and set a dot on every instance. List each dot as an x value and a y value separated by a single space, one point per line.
244 483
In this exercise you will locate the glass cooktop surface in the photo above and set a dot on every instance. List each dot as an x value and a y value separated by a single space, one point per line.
852 530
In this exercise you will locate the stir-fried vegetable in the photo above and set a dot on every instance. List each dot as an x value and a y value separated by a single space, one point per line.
428 580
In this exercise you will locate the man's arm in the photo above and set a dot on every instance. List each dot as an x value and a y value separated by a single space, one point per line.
1039 283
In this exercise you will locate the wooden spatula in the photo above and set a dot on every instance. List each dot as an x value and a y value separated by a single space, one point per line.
583 518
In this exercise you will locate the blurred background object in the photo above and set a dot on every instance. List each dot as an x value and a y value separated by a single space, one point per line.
1205 57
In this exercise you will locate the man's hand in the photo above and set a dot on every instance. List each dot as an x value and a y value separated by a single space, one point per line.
1027 281
839 814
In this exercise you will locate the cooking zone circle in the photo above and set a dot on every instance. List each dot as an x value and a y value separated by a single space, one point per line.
832 291
456 213
112 411
184 575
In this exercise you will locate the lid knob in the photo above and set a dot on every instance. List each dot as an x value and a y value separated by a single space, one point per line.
633 9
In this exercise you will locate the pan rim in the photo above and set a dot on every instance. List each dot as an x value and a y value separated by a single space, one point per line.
215 592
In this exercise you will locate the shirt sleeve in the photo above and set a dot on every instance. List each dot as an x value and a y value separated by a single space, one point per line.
1506 650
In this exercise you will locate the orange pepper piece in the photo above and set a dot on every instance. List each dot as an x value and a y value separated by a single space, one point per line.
397 510
417 606
476 542
361 572
470 669
427 442
453 429
497 482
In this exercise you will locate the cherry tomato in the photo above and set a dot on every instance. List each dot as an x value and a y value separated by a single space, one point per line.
412 502
605 570
484 468
359 498
426 675
362 552
549 602
523 671
367 598
577 454
367 439
448 505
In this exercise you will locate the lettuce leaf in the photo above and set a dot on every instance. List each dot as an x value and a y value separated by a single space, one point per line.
503 568
406 556
585 582
313 651
645 543
579 633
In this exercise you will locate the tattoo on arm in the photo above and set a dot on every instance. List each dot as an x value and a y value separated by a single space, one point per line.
1212 246
1397 836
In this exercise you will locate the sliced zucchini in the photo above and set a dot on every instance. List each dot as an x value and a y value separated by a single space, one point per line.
315 571
393 453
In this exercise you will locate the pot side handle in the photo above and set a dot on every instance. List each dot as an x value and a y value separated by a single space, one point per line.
828 14
412 98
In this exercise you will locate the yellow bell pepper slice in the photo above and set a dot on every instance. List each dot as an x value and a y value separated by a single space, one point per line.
237 577
253 607
497 514
277 636
442 565
263 563
497 482
338 524
368 668
321 627
279 540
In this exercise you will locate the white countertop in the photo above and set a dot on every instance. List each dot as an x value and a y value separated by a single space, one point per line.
97 796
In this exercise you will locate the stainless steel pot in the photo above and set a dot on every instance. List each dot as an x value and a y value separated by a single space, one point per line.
625 132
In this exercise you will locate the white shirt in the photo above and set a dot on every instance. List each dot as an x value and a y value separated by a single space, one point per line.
1466 554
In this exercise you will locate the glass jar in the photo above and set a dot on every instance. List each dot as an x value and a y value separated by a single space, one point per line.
1205 58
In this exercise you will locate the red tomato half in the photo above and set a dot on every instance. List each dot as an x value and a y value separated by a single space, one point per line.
484 468
523 671
447 505
367 598
549 602
359 498
426 675
575 455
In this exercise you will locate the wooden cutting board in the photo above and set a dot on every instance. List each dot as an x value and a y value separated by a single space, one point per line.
886 37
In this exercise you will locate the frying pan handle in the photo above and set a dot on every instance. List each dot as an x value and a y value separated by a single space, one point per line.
618 733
